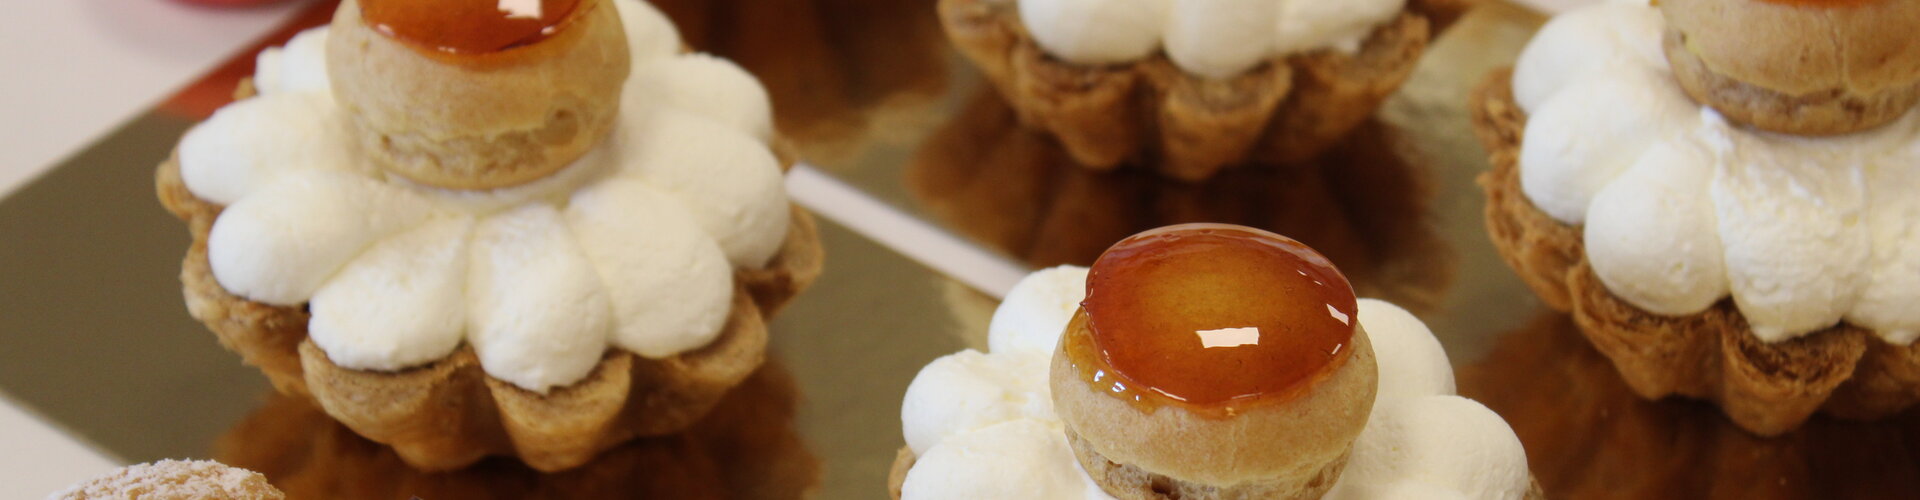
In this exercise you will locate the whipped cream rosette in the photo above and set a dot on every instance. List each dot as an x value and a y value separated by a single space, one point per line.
618 296
1191 87
1799 249
1682 208
983 424
1212 38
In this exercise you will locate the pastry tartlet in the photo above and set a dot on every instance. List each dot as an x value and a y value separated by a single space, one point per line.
1772 274
453 306
1201 361
1237 81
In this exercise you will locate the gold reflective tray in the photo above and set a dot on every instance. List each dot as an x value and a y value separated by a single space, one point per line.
93 334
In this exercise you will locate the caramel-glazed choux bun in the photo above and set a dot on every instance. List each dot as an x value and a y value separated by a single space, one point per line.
1808 67
1213 361
477 94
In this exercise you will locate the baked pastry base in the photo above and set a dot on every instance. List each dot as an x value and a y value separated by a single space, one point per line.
903 462
1284 111
747 448
449 413
1767 389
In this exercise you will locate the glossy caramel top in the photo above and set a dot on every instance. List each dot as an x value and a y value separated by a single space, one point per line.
1211 316
467 27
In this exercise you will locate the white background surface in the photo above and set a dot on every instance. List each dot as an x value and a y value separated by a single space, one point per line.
37 459
75 70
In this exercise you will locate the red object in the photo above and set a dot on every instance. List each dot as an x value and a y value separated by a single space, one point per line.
214 90
229 3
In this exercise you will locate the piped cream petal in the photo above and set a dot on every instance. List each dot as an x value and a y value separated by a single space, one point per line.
729 183
538 316
668 284
401 303
279 245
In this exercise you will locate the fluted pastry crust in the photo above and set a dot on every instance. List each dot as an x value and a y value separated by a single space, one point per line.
747 448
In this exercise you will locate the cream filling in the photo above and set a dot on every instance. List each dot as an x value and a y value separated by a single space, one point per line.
983 425
1681 209
633 245
1211 38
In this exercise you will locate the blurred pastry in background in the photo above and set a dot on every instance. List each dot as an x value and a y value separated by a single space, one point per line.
1364 203
1589 436
1194 87
843 73
174 480
1201 361
746 449
465 231
1774 274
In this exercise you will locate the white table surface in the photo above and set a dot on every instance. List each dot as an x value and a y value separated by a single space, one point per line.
79 69
76 70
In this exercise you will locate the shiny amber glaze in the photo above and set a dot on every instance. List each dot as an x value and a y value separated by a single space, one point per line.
1211 317
468 27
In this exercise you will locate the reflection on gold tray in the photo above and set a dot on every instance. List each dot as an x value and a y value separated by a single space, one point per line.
1363 203
1588 436
836 69
746 449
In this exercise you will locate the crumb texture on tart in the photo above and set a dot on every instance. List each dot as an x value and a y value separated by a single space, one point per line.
1767 388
